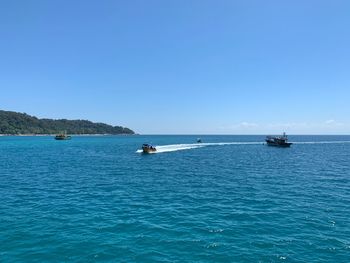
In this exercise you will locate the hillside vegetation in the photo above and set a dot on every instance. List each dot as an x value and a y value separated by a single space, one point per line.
14 123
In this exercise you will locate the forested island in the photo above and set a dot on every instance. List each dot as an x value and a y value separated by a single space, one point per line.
15 123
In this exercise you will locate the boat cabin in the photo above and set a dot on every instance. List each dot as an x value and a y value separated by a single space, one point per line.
279 141
147 148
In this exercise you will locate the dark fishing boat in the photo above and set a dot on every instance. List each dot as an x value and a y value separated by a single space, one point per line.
199 140
147 148
62 136
278 141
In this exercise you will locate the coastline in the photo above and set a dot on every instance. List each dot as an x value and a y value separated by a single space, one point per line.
48 135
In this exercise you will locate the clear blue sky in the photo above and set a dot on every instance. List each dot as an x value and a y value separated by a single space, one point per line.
184 66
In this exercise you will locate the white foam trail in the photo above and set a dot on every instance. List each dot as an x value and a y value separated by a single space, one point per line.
322 142
177 147
229 143
180 147
174 147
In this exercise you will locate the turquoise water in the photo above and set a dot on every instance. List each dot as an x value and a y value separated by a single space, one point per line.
96 199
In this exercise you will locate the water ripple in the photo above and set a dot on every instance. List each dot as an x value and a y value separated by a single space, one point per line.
230 199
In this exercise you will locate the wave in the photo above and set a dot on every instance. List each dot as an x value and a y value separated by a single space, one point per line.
322 142
180 147
174 147
189 146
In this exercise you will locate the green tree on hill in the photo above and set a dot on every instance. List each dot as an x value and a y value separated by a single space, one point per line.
15 123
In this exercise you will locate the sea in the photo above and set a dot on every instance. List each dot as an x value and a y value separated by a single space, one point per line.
227 199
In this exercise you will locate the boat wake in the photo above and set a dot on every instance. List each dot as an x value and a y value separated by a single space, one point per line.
173 148
180 147
322 142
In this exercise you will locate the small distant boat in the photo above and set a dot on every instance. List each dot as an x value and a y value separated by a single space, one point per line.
279 141
147 148
199 140
62 136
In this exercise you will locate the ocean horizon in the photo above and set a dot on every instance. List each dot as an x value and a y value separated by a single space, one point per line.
179 134
228 199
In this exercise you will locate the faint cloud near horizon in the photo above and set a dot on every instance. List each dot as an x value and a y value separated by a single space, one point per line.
334 123
327 127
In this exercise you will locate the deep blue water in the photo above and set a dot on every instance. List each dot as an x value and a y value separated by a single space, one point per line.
96 199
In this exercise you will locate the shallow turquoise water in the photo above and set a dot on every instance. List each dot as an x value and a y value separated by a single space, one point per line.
97 199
